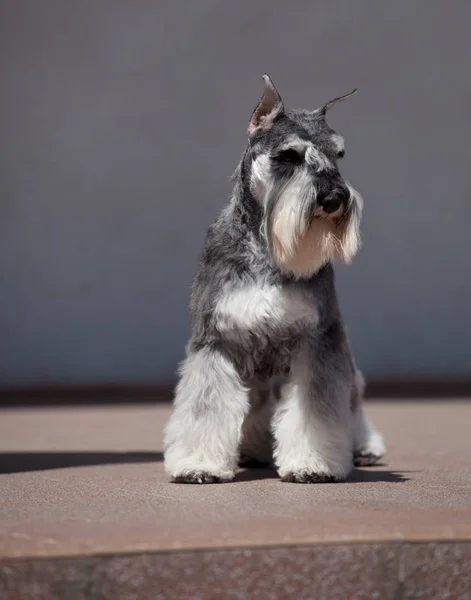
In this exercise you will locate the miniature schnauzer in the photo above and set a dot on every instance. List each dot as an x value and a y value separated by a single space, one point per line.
264 305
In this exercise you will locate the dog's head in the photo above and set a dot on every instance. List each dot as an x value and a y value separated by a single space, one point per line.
311 214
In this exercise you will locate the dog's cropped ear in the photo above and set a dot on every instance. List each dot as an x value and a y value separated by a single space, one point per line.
323 109
269 107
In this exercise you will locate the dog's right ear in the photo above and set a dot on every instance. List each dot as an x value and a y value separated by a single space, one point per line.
323 109
269 107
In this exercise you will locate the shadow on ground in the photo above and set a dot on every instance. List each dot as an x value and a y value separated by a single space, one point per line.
20 462
357 475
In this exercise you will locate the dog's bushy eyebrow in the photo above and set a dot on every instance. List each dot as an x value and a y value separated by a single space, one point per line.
297 144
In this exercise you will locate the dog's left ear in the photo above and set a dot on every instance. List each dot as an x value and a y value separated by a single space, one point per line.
269 107
323 109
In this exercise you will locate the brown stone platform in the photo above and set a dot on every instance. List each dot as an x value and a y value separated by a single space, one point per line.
87 513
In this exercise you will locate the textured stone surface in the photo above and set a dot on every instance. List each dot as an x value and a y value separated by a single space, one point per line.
388 571
47 579
324 572
436 571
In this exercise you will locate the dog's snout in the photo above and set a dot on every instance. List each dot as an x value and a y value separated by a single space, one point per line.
333 201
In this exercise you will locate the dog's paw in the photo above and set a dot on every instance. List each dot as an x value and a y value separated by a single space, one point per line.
371 452
305 476
363 458
199 477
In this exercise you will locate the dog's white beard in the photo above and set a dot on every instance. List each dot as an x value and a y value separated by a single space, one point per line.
302 248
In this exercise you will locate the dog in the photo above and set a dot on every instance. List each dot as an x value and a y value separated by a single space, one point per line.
264 306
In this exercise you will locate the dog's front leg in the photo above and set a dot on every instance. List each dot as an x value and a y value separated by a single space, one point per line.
313 423
202 437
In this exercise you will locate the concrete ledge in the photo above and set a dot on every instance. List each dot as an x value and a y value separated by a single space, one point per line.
389 571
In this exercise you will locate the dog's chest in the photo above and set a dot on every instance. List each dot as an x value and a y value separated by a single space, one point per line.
261 324
264 309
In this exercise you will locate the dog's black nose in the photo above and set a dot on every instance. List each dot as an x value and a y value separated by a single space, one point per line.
331 203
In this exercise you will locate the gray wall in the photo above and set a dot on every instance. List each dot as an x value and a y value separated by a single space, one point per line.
121 122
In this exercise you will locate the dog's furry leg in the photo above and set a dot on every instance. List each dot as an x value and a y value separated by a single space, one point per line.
202 437
368 444
313 425
257 441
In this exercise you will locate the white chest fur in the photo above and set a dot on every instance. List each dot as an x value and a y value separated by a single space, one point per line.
251 306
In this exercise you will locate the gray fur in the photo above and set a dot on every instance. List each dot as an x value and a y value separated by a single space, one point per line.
258 313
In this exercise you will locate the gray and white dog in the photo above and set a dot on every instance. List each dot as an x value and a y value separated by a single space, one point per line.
264 305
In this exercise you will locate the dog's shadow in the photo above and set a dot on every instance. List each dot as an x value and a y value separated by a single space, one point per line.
376 474
21 462
363 475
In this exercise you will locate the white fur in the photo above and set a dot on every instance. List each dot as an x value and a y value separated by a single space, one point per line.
288 220
350 241
260 179
317 159
308 438
204 431
315 248
295 143
367 439
252 305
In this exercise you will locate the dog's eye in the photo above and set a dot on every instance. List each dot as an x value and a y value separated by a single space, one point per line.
289 156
